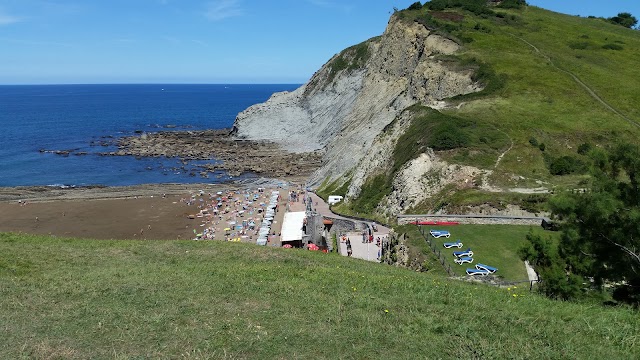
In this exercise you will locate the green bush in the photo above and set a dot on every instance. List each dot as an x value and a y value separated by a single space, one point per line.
415 6
533 141
612 47
565 165
579 45
447 136
584 148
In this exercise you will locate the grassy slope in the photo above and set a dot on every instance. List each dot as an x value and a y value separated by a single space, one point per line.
493 245
121 299
543 102
539 100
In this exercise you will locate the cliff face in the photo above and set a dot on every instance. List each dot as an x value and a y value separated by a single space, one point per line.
343 108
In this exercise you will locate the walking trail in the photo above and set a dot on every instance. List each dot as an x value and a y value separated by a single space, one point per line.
580 82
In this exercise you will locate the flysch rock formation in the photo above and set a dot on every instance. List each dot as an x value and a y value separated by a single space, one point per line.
343 112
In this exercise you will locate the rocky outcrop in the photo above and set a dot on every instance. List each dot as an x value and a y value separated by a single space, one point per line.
344 108
424 177
234 156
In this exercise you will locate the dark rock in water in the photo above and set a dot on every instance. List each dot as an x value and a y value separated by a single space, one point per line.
138 131
79 153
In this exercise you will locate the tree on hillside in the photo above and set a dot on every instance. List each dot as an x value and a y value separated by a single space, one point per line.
415 6
556 283
624 19
601 227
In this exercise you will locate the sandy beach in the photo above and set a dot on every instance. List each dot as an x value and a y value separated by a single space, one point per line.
145 212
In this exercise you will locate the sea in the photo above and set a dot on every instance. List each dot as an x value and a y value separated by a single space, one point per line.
39 120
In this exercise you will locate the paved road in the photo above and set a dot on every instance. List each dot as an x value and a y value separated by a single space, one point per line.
361 250
366 251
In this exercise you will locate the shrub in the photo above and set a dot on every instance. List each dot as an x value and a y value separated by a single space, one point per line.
542 146
579 45
612 47
624 19
415 6
533 141
447 136
584 148
565 165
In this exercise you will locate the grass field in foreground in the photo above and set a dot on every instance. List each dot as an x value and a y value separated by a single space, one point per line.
62 298
493 245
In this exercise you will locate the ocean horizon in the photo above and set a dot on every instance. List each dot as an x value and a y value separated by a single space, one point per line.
86 119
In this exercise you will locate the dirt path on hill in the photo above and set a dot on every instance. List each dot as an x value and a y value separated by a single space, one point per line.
495 166
580 82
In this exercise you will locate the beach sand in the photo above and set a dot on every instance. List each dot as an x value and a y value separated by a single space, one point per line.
143 212
142 218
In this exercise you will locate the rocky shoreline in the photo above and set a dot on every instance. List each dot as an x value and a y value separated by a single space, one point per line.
227 153
208 153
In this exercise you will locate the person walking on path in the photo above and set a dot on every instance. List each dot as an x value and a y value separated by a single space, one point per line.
349 250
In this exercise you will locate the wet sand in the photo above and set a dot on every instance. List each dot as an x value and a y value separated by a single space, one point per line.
142 218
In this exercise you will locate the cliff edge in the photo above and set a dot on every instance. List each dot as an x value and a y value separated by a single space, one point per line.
356 94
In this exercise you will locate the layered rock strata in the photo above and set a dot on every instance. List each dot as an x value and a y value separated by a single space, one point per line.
341 110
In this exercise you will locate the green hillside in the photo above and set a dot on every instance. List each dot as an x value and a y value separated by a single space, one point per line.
556 85
541 100
66 299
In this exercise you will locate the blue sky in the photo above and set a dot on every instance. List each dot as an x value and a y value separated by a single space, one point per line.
198 41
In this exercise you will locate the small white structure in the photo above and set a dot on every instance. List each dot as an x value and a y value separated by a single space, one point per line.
292 226
334 199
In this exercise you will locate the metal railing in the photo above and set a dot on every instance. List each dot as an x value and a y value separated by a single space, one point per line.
447 267
436 252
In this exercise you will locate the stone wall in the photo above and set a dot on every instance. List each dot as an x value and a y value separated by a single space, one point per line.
474 219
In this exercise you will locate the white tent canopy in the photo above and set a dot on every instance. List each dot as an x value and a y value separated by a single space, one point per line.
292 226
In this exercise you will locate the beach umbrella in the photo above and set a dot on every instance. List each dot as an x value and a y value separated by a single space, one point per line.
227 229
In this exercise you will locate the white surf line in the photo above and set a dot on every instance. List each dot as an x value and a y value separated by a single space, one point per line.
580 82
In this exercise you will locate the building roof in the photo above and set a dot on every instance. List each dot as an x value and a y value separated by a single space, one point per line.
292 226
